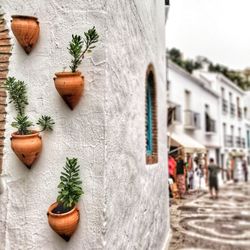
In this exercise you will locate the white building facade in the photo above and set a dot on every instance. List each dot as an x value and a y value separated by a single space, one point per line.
247 123
198 108
232 126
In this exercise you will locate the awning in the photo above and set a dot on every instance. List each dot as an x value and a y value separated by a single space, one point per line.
188 144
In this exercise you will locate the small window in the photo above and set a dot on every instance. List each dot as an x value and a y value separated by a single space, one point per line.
230 97
222 93
151 118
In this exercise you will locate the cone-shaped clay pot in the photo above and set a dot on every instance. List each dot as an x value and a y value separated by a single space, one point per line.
70 86
26 30
64 224
27 147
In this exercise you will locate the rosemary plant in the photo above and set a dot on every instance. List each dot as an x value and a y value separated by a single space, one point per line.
78 43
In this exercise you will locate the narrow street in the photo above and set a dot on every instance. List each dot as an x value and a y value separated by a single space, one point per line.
203 223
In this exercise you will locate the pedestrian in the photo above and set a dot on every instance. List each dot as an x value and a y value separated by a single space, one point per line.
237 170
213 170
245 170
191 179
171 173
180 176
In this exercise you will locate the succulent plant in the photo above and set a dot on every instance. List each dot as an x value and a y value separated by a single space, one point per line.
70 185
17 91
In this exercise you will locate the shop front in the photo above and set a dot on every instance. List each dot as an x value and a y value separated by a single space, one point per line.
183 148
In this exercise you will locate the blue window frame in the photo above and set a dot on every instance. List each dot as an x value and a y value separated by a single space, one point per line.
149 117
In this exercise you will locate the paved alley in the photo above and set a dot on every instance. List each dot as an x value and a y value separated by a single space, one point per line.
222 224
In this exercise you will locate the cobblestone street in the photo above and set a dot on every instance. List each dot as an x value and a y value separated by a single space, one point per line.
203 223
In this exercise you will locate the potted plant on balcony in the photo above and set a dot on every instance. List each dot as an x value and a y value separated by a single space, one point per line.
25 142
63 215
70 84
26 30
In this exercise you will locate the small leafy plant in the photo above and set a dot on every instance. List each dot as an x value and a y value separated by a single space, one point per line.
70 185
78 43
17 91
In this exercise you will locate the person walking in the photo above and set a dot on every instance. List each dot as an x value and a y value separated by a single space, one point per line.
245 170
213 170
180 176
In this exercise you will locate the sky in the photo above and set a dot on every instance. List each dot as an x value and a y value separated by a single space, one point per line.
216 29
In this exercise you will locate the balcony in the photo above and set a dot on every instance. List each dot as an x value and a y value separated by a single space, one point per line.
239 112
232 109
224 106
243 142
229 142
210 125
174 114
238 141
192 120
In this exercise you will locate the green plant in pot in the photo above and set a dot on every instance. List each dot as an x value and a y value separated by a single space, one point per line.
63 215
69 84
25 142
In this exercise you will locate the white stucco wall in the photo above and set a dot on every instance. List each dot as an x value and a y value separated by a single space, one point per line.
144 201
125 205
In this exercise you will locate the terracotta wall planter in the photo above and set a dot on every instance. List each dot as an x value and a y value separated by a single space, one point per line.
26 30
27 147
64 224
70 87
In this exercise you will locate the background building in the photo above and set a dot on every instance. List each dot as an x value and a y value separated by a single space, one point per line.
231 119
196 110
125 205
247 123
194 116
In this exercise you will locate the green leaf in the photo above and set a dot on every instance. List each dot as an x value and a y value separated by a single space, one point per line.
63 178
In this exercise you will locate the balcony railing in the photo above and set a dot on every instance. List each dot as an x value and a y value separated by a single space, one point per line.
174 114
224 106
192 120
229 142
210 124
232 109
243 142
